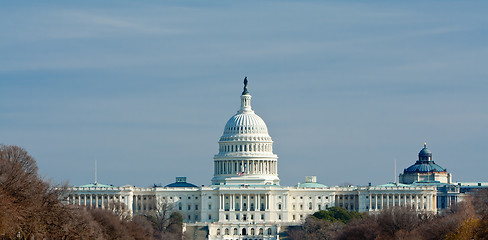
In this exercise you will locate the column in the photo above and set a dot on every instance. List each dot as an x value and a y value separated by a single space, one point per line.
370 202
266 202
240 205
258 200
255 202
248 202
220 202
422 202
376 202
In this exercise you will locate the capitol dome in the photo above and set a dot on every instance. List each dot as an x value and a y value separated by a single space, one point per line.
245 123
245 149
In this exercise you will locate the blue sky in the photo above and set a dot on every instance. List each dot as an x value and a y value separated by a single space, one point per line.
145 88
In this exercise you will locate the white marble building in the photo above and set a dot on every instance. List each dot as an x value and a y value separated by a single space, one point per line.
245 200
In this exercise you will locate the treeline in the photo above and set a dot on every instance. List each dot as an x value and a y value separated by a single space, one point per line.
467 220
30 208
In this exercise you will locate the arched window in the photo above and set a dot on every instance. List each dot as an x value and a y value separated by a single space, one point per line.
279 206
270 231
226 231
252 231
244 232
218 231
260 231
236 232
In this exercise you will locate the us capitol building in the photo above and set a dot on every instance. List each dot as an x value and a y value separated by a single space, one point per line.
246 201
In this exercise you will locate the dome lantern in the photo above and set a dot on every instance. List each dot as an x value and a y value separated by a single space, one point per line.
425 154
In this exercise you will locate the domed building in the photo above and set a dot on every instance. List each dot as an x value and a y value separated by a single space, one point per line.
246 200
245 149
425 170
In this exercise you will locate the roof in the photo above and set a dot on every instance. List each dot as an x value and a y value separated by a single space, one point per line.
181 185
430 183
421 166
311 185
99 185
393 185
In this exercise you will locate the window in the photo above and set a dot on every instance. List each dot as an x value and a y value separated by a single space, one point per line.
301 217
236 231
226 216
189 217
252 216
279 206
189 207
209 197
293 207
260 231
301 207
226 231
210 217
179 206
252 231
294 217
262 216
189 197
270 231
320 207
218 231
309 206
279 216
210 207
237 216
196 207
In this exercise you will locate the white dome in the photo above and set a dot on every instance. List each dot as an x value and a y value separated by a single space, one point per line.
245 123
245 149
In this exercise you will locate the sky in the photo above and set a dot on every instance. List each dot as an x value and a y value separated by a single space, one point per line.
144 88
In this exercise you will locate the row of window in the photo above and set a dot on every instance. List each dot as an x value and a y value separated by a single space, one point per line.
319 206
318 197
244 217
177 198
245 129
258 147
396 197
244 232
180 207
